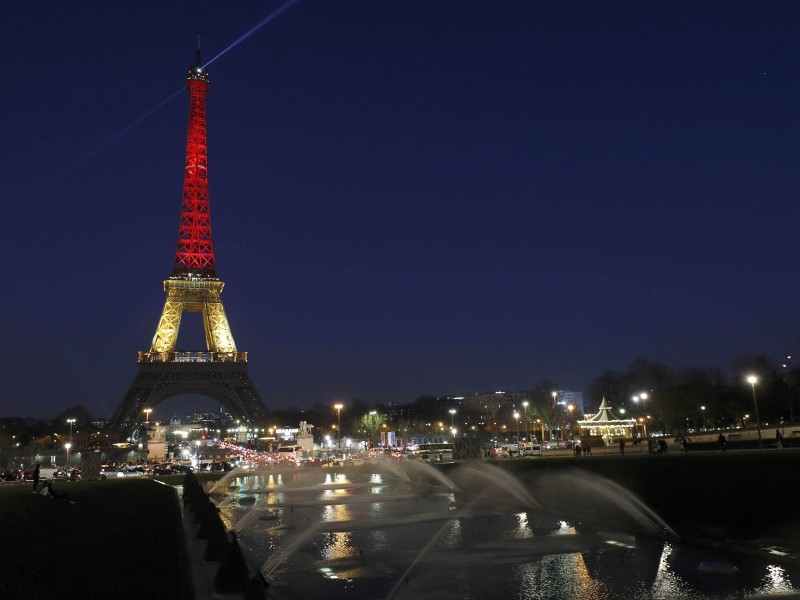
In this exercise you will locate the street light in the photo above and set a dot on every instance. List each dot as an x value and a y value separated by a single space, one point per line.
147 412
752 380
339 408
525 416
570 408
452 416
516 418
68 446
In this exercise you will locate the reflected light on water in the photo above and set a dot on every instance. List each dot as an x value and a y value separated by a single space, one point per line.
555 576
776 582
523 530
667 583
564 528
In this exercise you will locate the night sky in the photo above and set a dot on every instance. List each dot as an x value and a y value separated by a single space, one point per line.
441 197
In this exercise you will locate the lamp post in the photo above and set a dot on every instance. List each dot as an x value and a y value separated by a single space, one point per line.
452 416
339 408
147 412
570 408
516 418
69 445
752 380
525 417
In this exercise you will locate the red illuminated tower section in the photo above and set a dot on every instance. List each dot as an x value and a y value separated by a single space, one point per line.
195 254
219 370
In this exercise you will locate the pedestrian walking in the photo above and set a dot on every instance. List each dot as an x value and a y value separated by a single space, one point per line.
778 439
35 477
723 443
622 447
685 444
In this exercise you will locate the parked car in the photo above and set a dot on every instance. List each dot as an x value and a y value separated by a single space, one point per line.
130 473
11 475
106 472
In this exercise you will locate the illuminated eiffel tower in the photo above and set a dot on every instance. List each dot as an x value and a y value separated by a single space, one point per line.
219 371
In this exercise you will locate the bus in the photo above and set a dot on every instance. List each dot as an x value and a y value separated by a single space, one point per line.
436 453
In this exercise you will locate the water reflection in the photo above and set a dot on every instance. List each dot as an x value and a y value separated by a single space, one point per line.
379 534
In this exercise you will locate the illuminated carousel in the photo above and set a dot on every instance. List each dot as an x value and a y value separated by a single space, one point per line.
607 425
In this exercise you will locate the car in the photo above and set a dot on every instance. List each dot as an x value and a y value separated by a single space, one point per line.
177 468
124 473
106 472
214 467
11 475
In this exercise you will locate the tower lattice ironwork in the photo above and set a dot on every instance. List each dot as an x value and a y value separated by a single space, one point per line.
220 371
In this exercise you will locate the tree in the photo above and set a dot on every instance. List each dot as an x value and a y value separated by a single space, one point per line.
78 412
543 405
611 385
371 424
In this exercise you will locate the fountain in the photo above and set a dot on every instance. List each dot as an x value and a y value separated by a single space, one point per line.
410 530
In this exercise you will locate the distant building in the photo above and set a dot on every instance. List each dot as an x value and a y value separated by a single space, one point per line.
565 398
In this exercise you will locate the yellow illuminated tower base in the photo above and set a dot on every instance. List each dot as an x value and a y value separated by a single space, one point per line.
187 295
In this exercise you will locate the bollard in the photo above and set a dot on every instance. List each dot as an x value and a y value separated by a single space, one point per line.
233 576
218 542
257 590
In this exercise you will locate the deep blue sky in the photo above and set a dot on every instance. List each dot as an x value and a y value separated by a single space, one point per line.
407 197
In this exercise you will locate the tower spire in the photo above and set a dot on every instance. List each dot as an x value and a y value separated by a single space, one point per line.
194 257
198 62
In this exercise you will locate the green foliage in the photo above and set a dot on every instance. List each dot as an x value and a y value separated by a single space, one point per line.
371 423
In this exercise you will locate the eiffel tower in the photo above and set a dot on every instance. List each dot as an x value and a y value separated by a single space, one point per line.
220 371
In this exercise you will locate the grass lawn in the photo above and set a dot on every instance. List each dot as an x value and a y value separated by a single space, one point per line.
118 540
